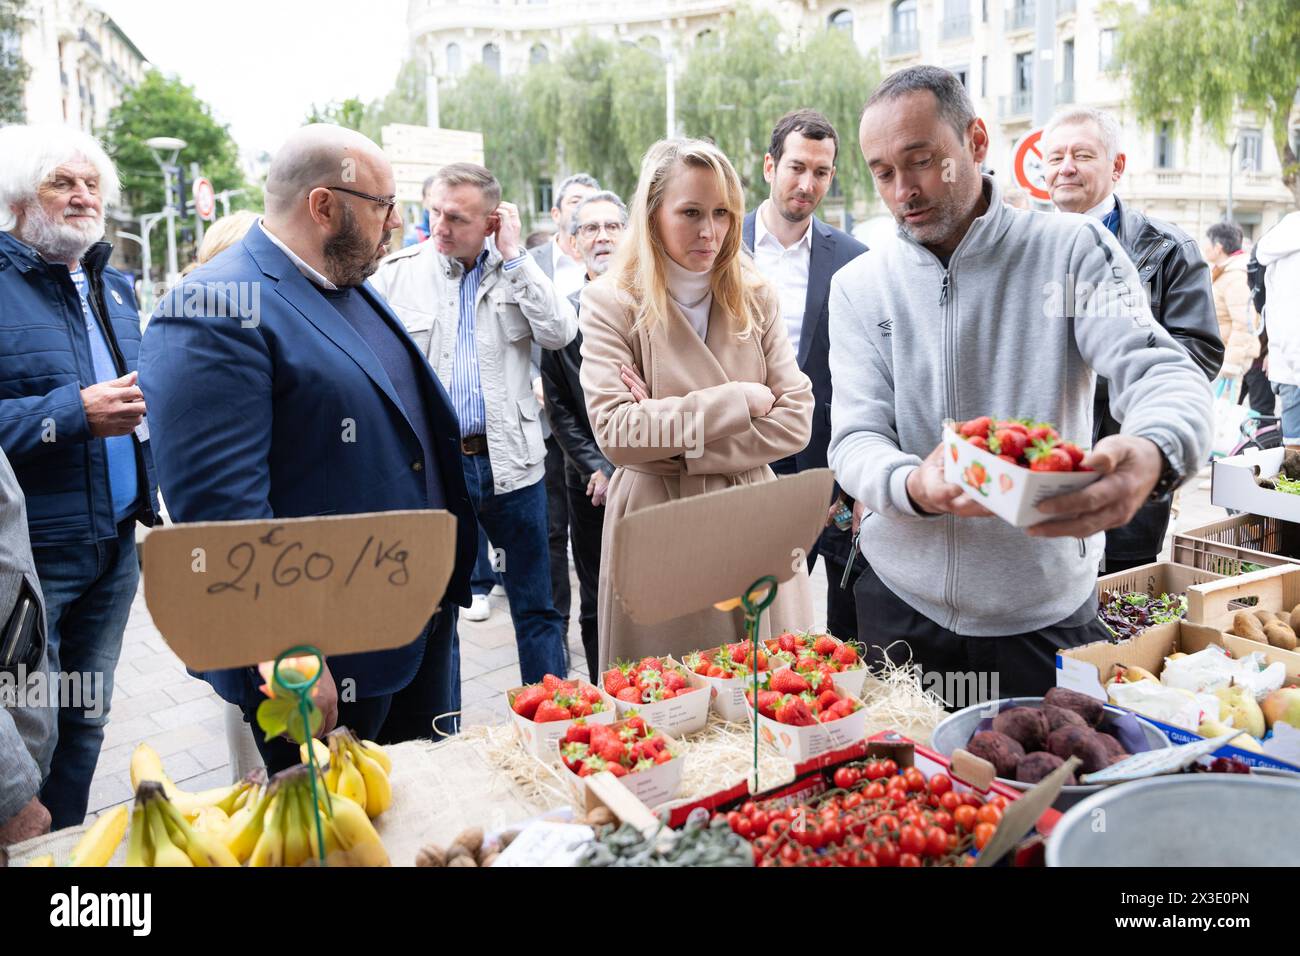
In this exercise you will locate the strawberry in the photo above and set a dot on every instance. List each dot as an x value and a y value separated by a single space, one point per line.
1042 433
767 701
715 671
981 443
566 688
1011 442
663 756
674 681
1053 459
738 652
828 698
806 663
1013 425
1074 451
846 656
581 708
786 681
825 645
826 716
629 695
788 642
578 733
551 682
650 663
976 427
589 694
527 700
637 723
795 712
591 765
617 769
574 751
697 663
615 681
609 748
549 710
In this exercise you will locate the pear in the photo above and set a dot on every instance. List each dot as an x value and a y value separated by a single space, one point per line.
1283 705
1214 728
1239 704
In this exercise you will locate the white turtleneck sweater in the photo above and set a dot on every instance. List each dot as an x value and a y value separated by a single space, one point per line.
692 293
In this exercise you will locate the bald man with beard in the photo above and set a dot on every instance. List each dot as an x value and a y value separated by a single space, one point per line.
281 385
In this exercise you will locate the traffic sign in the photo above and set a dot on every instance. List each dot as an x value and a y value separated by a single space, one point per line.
1029 168
205 199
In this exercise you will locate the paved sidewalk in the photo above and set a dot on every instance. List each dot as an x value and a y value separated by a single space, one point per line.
155 700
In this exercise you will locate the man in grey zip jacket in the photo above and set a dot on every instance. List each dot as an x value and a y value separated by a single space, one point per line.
979 309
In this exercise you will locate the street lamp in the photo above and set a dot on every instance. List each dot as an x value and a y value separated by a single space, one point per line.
158 145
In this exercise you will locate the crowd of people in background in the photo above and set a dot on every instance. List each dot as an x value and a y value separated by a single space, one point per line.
497 378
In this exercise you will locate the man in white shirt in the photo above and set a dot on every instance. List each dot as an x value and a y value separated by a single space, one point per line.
800 253
558 258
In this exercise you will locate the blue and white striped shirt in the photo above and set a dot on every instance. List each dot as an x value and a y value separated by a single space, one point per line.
466 385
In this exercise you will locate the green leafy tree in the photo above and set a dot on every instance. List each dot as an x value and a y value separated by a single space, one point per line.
1198 61
164 106
405 102
639 100
350 113
13 71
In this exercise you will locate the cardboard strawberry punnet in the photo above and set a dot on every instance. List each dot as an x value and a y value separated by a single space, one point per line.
1010 466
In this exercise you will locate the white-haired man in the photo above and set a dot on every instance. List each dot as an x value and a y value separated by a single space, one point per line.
72 423
1084 160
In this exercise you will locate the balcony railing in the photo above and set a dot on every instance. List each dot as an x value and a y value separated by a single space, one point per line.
903 44
1020 17
956 28
1017 104
1065 92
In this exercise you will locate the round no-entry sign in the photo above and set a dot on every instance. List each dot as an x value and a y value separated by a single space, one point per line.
205 199
1029 170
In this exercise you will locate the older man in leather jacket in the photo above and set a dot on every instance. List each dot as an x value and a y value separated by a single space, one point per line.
1083 162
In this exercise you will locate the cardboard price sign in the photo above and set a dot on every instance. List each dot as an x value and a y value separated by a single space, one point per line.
233 593
686 555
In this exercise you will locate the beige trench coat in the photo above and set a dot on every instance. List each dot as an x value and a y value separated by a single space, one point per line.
690 381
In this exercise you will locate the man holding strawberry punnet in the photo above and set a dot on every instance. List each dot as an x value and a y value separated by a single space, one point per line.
981 309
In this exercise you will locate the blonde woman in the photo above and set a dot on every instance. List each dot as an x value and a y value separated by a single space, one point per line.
220 236
690 380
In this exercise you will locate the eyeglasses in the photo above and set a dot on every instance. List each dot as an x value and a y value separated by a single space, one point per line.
592 229
387 202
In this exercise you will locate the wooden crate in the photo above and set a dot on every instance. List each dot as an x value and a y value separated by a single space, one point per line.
1163 577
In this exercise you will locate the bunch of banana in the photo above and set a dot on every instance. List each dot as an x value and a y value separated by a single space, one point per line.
356 769
280 830
98 844
161 836
146 766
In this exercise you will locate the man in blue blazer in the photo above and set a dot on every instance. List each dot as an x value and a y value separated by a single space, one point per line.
800 253
284 386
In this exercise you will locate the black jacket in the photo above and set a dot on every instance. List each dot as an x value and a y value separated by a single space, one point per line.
567 407
1177 279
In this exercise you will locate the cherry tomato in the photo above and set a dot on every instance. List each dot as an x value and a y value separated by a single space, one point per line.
852 800
999 801
965 817
988 814
845 778
983 833
748 808
789 854
915 780
744 826
972 800
936 842
945 822
940 784
950 801
867 858
832 832
874 791
889 767
875 769
777 826
909 859
733 821
886 853
911 839
759 819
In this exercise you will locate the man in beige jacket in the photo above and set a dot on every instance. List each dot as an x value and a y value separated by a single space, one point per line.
475 301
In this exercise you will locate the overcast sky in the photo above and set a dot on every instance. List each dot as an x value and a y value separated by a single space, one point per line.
260 64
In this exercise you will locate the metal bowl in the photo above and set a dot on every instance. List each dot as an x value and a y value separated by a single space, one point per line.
1194 819
954 732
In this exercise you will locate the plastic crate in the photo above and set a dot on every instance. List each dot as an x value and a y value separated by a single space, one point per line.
1231 546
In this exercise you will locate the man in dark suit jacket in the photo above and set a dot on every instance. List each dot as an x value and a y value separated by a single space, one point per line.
288 388
800 253
597 227
569 278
